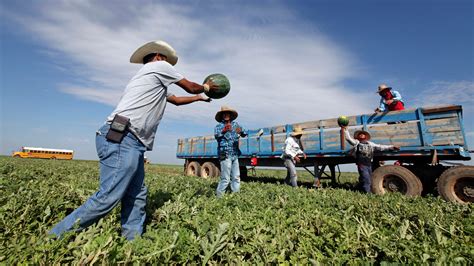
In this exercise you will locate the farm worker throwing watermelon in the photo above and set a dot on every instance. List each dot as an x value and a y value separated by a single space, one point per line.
128 132
291 155
390 100
363 151
227 133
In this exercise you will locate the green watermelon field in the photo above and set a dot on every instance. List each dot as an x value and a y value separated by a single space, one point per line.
267 223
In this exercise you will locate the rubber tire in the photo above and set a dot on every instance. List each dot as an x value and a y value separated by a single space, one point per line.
217 172
448 180
16 156
208 170
413 184
193 169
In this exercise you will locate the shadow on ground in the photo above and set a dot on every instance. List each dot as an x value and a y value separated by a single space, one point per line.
307 184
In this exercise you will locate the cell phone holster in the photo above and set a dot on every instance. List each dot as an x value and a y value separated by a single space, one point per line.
118 129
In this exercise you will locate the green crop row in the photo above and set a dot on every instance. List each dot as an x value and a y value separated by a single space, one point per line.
266 223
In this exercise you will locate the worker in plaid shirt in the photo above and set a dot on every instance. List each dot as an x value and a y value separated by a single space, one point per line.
227 134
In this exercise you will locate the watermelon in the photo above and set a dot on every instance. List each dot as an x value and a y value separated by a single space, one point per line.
343 121
221 81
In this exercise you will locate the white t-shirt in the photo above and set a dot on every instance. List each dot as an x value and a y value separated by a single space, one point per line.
291 148
144 99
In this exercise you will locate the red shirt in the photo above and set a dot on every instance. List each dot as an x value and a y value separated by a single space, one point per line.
394 106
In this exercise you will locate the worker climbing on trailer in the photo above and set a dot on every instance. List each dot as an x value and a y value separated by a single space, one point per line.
292 151
227 134
363 151
390 100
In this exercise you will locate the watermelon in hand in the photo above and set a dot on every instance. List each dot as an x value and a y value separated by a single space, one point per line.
223 86
343 121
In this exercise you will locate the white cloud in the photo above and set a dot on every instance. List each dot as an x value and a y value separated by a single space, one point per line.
281 69
105 96
446 92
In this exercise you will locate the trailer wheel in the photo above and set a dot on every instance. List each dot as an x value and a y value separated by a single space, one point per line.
217 172
193 169
208 170
394 178
457 184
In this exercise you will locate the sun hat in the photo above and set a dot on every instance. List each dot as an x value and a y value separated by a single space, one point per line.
358 132
233 113
382 87
158 47
297 131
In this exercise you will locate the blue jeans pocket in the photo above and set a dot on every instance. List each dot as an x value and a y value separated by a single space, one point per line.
106 151
101 146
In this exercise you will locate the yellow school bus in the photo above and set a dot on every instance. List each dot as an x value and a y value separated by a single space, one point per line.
32 152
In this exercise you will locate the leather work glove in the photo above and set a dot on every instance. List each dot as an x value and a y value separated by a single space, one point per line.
204 98
227 127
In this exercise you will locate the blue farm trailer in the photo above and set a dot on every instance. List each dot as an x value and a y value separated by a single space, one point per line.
427 137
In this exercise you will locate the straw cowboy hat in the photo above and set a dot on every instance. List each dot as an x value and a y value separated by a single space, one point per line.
358 132
224 109
155 47
382 87
297 131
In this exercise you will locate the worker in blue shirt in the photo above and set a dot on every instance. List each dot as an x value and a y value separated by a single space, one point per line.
390 100
227 134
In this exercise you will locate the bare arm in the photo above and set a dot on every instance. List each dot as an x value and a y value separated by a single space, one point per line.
349 138
194 88
381 147
190 87
182 100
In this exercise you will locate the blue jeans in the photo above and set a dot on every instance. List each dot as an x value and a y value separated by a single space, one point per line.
291 176
230 173
121 180
365 177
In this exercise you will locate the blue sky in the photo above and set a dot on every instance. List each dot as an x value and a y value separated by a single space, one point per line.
64 64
